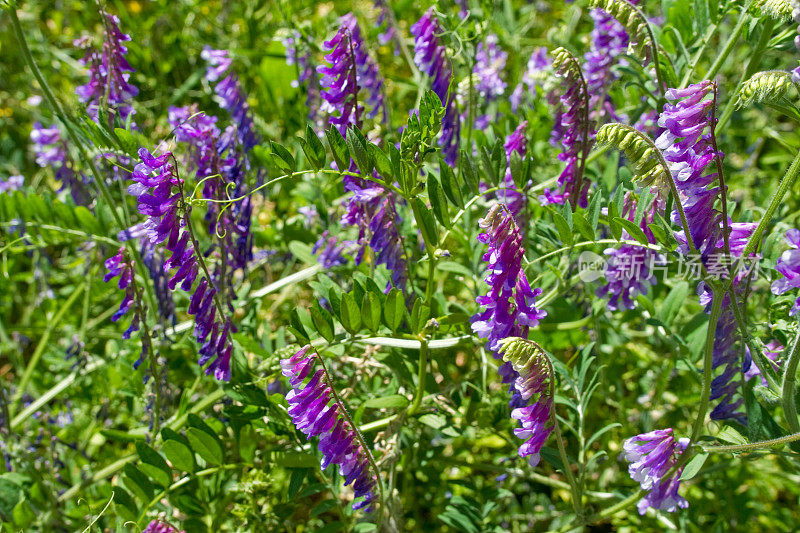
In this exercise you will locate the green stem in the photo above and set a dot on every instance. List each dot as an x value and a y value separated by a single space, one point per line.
729 45
716 308
54 322
788 388
421 377
752 446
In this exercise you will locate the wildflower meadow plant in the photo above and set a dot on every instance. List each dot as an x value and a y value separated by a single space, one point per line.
451 266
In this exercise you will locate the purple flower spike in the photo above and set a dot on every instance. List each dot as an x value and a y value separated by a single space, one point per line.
232 97
109 74
330 251
351 69
515 201
535 74
316 413
13 183
51 151
789 266
651 455
431 58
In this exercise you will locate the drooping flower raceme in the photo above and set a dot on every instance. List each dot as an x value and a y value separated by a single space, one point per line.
534 76
789 266
629 268
316 412
154 180
651 455
157 526
490 60
13 183
573 131
121 266
330 251
232 97
431 58
509 308
298 53
534 385
109 74
516 201
351 69
608 41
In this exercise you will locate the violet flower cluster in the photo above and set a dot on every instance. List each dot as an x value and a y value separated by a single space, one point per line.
13 183
154 179
157 526
330 250
573 130
609 40
231 95
533 383
628 270
789 266
651 455
688 151
509 308
514 200
109 74
120 266
534 76
431 58
351 69
316 412
298 53
51 151
490 60
384 20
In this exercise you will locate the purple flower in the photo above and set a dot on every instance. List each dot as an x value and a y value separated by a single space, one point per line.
772 351
795 5
51 151
573 131
608 41
316 413
628 269
515 201
109 74
122 267
231 95
157 526
330 251
789 266
651 455
298 53
351 69
490 60
533 77
431 58
385 17
13 183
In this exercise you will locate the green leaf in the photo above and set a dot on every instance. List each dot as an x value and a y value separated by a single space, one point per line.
359 150
468 171
153 464
296 481
323 322
438 201
382 163
282 158
302 251
350 314
394 401
315 149
632 229
433 420
137 482
450 184
564 231
179 454
86 220
10 496
694 466
579 222
338 148
394 309
249 344
371 311
515 166
293 459
673 302
205 446
731 436
613 215
419 315
428 226
488 166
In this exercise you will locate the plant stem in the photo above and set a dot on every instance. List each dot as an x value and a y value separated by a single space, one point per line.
729 45
752 446
421 377
752 66
788 388
716 308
